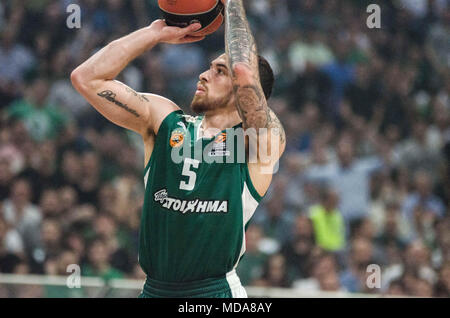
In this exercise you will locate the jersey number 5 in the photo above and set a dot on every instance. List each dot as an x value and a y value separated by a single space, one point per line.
188 163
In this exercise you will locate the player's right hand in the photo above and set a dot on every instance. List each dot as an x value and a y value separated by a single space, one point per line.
175 35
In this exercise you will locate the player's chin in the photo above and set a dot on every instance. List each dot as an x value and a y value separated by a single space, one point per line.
197 108
199 105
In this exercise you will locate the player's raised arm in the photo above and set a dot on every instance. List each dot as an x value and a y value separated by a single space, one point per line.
95 78
243 63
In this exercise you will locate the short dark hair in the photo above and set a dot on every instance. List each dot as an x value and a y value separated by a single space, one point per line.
266 76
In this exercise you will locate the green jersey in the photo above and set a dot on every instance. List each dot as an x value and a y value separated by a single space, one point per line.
195 209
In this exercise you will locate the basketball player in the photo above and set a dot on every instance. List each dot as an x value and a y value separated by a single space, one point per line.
192 233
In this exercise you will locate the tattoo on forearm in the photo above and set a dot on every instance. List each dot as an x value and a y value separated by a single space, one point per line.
260 117
110 96
251 105
239 43
240 47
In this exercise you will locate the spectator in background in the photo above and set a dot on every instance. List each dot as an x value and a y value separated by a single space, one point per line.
10 240
272 216
420 151
74 242
90 180
107 199
105 227
309 53
42 168
416 265
298 250
437 40
360 256
61 91
50 241
275 273
2 15
6 176
341 74
42 120
22 215
16 60
98 261
390 239
295 163
443 285
323 274
329 227
442 241
251 265
68 199
330 282
49 203
364 93
422 288
70 170
310 125
396 289
350 176
315 86
422 206
385 211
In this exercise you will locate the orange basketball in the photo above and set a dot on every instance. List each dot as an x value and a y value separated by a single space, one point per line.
181 13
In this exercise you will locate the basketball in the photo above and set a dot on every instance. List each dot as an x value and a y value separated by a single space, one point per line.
181 13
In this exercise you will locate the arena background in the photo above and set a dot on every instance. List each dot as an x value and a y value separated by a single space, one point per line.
71 184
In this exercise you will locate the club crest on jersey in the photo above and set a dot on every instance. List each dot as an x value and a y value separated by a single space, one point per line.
177 138
192 206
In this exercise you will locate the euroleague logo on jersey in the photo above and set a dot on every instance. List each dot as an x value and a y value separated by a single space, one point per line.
221 138
177 138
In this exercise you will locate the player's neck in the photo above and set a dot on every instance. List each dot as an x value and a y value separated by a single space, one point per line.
221 119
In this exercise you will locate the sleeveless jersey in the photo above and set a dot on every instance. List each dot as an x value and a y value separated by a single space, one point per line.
195 209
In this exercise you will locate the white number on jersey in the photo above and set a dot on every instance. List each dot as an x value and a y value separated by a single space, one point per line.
188 162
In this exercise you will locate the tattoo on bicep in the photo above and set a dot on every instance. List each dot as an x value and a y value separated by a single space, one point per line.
275 125
141 97
111 97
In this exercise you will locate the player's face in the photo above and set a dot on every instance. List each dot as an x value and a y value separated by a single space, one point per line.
214 89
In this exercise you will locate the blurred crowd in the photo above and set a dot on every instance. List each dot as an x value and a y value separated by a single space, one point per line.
361 201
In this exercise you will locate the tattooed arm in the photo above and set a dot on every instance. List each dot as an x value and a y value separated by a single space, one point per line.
94 79
243 62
